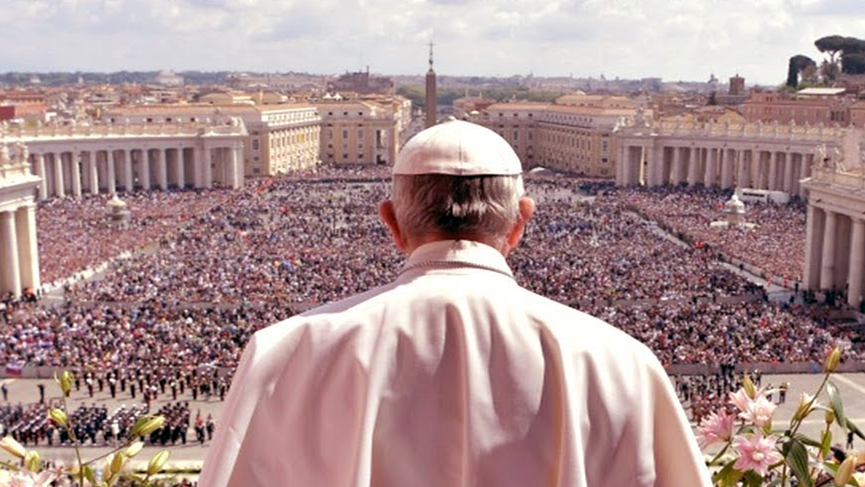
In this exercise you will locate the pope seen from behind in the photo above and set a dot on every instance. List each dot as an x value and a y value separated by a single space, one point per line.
452 374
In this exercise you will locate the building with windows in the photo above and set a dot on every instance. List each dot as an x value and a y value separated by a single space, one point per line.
573 135
823 107
281 137
360 131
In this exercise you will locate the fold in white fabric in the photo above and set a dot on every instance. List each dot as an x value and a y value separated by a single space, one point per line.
452 375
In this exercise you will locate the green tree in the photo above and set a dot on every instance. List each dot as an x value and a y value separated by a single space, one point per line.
853 63
829 70
797 63
832 45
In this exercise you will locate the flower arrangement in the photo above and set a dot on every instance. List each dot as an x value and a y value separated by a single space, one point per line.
31 474
755 454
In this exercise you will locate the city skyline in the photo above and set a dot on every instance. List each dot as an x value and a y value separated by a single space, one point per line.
617 38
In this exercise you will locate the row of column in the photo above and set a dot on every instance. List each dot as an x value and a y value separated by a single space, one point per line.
19 255
713 166
835 252
95 171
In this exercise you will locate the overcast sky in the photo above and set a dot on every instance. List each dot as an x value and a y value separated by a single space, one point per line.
673 39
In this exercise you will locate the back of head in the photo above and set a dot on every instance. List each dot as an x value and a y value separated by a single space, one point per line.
457 180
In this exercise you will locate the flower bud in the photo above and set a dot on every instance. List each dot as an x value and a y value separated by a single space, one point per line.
32 461
805 407
134 449
844 472
830 417
58 416
157 462
152 424
749 387
117 462
136 428
832 360
12 447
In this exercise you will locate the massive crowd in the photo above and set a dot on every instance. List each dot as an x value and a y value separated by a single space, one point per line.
76 233
226 264
776 246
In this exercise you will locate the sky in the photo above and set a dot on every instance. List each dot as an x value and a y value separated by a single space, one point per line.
673 39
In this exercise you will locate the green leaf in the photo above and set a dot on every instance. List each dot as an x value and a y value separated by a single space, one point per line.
797 459
827 444
835 403
808 441
727 476
753 479
855 429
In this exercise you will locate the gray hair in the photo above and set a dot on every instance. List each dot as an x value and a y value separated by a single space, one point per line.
480 206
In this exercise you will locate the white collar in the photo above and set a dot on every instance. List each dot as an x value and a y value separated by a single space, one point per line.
457 253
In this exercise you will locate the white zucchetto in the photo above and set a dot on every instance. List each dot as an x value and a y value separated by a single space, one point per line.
458 148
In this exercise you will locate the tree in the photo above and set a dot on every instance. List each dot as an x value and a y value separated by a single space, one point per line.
832 45
795 66
853 63
829 71
810 74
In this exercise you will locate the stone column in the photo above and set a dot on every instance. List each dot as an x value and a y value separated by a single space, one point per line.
40 169
620 165
827 267
111 160
654 166
803 173
235 171
127 171
694 166
161 170
94 173
28 252
728 160
742 173
76 159
677 170
788 172
813 247
857 262
145 169
181 181
198 168
207 164
10 273
773 171
59 190
709 174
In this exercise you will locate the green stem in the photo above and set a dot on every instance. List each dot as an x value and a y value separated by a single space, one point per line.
796 423
100 457
74 443
9 466
721 453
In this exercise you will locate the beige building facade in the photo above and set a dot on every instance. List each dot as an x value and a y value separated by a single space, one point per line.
573 135
835 232
757 156
280 137
110 158
19 256
360 131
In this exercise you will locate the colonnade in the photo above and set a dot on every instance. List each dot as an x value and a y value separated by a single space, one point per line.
713 166
74 172
835 251
19 256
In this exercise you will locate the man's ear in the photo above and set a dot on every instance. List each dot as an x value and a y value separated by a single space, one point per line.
388 216
527 209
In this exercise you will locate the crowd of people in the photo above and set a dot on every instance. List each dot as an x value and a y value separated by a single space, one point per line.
222 265
776 245
76 233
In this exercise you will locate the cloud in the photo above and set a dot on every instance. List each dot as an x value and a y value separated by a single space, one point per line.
676 39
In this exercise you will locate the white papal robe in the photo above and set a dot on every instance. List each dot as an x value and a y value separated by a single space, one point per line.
452 375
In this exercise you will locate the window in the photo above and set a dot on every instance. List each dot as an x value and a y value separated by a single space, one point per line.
254 144
255 158
148 120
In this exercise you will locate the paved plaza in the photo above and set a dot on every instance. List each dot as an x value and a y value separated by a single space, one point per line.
25 391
